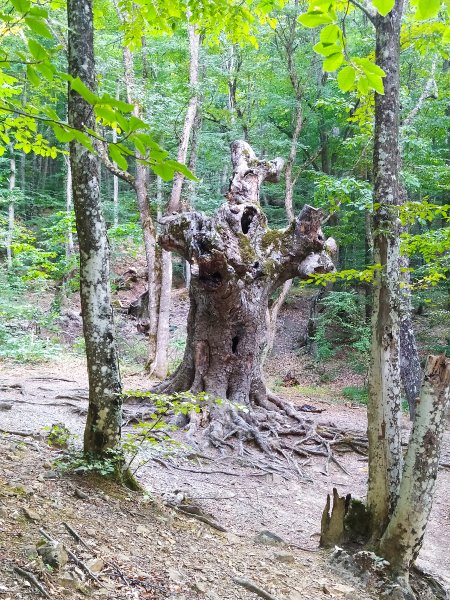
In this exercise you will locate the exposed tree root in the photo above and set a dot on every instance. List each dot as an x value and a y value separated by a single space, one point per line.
280 432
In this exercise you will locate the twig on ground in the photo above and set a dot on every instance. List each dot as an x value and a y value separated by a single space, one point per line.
201 518
73 557
33 434
32 579
251 587
75 535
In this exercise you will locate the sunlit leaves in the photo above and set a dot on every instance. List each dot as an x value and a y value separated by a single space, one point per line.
346 78
21 6
383 6
39 26
427 9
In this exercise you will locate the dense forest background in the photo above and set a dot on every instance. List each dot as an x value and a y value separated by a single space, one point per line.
251 90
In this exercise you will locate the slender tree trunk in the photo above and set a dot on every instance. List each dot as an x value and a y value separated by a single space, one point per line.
274 310
145 217
385 455
103 426
194 45
115 178
190 185
69 206
161 363
402 540
11 216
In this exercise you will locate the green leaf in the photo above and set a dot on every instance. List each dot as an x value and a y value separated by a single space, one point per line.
314 18
346 78
375 83
327 50
47 70
22 6
330 34
78 86
83 139
446 36
32 76
427 9
37 25
105 113
63 135
164 171
38 11
50 112
181 169
383 6
37 51
117 157
333 62
363 86
370 67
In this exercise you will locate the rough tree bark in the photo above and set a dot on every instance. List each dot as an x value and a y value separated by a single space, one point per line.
103 426
160 365
236 263
402 540
385 456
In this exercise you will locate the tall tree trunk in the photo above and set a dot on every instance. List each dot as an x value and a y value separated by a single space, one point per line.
69 206
145 217
103 426
115 178
190 186
385 455
289 46
161 363
11 216
402 540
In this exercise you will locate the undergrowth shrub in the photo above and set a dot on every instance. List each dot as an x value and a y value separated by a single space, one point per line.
341 323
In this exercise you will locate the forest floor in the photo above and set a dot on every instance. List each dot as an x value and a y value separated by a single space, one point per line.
141 548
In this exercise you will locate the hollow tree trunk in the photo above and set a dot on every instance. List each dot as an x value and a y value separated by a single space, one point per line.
385 456
402 540
236 263
104 417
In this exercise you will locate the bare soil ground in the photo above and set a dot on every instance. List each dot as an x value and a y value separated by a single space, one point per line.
148 550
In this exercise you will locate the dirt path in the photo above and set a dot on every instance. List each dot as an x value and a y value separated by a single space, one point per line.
189 558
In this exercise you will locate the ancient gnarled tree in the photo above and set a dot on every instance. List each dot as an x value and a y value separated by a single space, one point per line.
236 264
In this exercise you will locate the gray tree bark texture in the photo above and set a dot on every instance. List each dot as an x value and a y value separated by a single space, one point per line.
103 426
402 540
236 264
385 455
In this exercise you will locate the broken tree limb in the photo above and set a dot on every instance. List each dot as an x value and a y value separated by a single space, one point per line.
75 535
73 557
252 587
32 580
